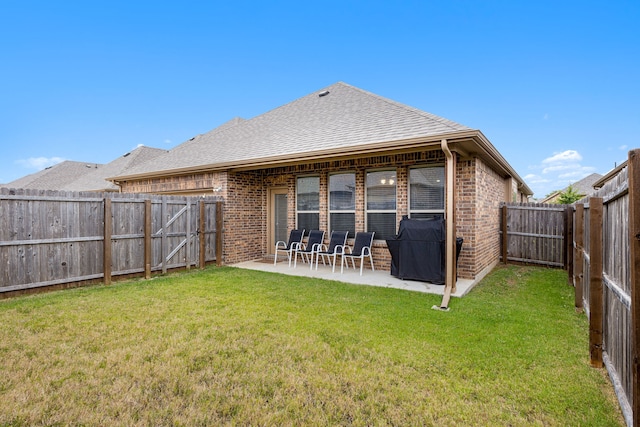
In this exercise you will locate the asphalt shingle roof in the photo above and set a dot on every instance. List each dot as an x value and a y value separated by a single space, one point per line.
81 176
54 177
585 185
95 180
344 117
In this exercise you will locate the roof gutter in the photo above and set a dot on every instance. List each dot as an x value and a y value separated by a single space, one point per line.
454 140
492 153
309 156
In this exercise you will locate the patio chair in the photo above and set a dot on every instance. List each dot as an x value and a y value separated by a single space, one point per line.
295 239
337 242
306 251
361 249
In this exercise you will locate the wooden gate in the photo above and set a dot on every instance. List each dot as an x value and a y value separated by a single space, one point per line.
534 233
58 238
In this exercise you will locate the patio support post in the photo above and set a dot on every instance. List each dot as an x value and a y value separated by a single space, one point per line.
450 220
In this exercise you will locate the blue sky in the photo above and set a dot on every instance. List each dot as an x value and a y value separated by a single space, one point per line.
554 85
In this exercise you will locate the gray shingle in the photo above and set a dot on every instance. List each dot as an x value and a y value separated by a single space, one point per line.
585 185
346 117
82 176
96 180
54 177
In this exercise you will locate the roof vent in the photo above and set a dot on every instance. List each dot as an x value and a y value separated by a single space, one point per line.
324 93
125 155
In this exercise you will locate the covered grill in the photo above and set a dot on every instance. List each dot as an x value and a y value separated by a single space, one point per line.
418 250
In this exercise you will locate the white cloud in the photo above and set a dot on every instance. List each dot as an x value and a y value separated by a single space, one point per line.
167 141
556 172
39 163
578 174
565 156
546 116
535 179
623 147
557 168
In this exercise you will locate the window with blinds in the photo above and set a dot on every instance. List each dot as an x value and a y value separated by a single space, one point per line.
342 202
381 203
426 192
308 203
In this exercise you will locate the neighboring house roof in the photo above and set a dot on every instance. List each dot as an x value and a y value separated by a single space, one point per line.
81 176
54 177
340 120
96 180
584 187
610 175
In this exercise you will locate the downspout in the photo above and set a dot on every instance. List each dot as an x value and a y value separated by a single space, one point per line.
450 221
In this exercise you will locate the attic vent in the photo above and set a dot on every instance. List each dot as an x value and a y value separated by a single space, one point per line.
127 154
324 93
191 139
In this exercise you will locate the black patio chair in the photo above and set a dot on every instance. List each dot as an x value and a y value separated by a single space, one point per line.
361 249
337 242
295 239
306 251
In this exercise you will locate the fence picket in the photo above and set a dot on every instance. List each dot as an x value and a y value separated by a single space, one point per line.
535 233
58 238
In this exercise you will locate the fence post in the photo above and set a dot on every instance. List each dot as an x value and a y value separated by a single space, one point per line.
505 239
147 239
634 258
595 283
163 238
187 248
202 235
219 233
106 246
579 256
568 235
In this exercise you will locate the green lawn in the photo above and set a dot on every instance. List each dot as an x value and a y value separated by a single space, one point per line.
240 347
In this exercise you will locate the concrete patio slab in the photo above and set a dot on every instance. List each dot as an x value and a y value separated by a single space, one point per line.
370 278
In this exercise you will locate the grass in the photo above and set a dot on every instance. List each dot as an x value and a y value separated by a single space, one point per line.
239 347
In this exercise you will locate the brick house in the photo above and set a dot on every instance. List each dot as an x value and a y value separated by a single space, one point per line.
345 159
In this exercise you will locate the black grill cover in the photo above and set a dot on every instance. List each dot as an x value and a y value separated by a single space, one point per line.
418 250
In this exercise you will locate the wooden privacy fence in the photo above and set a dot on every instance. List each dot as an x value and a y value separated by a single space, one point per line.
534 233
52 238
606 274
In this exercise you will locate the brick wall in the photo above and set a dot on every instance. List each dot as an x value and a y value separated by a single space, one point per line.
400 163
466 216
479 191
490 189
244 217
